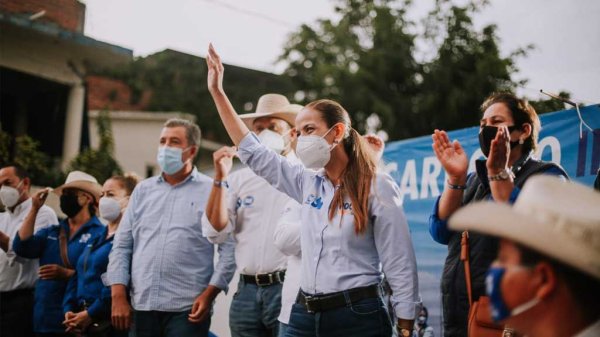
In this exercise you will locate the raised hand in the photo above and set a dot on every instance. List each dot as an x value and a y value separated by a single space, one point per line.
223 161
39 198
214 78
376 144
451 155
499 151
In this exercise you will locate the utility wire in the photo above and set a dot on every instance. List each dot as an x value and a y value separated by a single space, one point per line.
251 13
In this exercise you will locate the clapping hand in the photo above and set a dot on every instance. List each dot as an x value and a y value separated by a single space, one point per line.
452 157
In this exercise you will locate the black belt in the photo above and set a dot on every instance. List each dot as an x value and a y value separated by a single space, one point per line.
8 295
263 280
324 302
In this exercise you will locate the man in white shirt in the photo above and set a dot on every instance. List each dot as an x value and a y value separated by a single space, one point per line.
247 207
17 275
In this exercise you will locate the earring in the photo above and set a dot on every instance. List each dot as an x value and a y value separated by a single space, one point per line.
521 141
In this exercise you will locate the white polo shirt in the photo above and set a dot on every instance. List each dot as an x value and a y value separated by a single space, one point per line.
254 209
17 272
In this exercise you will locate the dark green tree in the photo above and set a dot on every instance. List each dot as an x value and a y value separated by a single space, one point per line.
467 68
364 60
177 82
25 151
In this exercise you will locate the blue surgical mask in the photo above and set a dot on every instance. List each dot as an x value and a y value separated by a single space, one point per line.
500 311
169 159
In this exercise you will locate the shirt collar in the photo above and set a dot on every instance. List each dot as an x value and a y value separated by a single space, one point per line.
24 206
92 222
193 176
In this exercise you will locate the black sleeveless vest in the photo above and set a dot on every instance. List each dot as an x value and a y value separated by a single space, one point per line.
482 248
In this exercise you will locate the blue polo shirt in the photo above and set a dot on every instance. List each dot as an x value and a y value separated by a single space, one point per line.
86 284
44 244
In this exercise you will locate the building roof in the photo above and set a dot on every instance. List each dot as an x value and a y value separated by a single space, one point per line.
97 53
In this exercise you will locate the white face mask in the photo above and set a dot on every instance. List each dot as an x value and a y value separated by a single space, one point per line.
10 195
314 151
110 209
272 140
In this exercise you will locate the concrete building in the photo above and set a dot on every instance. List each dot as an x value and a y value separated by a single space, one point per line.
44 58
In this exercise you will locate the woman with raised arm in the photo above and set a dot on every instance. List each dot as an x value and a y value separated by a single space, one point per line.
351 217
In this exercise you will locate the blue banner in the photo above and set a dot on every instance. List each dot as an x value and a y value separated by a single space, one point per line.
421 178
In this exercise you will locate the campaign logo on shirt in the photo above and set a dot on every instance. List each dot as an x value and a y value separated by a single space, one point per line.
85 237
245 202
314 201
346 208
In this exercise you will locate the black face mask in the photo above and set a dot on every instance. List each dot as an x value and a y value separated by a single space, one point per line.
70 205
488 133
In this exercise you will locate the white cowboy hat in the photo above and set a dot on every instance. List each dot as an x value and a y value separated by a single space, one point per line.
82 181
557 218
273 105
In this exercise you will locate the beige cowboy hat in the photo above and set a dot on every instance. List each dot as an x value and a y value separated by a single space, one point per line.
557 218
82 181
273 105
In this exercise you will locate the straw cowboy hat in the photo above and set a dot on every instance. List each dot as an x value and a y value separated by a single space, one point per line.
557 218
273 105
82 181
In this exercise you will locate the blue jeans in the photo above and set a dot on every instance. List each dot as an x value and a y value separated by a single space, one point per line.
365 318
283 328
167 324
254 310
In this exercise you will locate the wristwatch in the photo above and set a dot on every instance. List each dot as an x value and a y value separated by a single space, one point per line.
221 183
403 332
502 175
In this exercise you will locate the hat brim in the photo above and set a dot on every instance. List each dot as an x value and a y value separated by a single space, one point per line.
289 117
87 186
501 220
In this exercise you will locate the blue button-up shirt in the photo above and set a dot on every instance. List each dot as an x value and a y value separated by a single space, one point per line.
334 257
160 248
44 244
85 286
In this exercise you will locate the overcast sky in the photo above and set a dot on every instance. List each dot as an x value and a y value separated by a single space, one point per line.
251 33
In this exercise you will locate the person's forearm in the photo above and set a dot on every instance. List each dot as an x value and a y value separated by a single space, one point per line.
211 292
118 292
501 190
216 210
451 199
4 239
236 129
26 230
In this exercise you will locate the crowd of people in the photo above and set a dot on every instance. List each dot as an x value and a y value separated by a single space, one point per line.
314 228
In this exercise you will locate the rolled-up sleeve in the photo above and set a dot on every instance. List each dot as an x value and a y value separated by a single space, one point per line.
394 246
119 261
438 228
225 267
208 231
211 234
282 174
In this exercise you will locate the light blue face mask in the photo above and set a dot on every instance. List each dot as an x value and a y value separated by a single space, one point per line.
169 159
